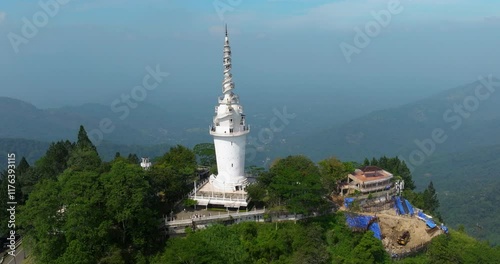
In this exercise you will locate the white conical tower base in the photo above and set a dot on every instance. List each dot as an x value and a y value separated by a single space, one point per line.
230 153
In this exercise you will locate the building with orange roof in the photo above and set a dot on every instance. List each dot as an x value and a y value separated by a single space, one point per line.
367 180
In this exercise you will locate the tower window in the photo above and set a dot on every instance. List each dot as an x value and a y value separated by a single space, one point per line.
231 165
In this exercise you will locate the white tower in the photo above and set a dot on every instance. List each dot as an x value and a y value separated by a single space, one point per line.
229 130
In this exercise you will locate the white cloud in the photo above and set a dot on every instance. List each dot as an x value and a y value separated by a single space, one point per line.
3 15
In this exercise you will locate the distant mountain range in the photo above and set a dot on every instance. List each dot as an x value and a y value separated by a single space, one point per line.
146 124
464 119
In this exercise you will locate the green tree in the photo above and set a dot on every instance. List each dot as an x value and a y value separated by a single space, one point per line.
128 203
23 166
332 172
205 152
42 223
396 167
296 182
49 166
85 218
92 212
83 141
133 159
368 250
53 163
179 155
257 192
182 160
460 248
190 202
431 202
84 159
172 176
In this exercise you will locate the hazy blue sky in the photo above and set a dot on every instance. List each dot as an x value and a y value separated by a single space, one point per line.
95 50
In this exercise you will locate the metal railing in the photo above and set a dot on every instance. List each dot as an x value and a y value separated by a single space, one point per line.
214 217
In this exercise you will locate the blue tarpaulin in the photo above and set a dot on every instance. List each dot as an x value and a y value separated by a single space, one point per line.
430 223
399 206
348 202
405 207
363 222
427 220
358 221
410 207
422 215
444 228
377 233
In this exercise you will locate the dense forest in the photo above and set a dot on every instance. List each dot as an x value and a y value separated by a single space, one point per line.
468 189
77 208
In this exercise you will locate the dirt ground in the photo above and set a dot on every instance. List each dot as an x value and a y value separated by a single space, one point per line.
393 226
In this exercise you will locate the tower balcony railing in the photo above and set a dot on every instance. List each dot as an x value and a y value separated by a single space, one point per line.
229 131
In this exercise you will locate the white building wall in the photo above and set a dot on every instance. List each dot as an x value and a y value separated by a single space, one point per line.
230 153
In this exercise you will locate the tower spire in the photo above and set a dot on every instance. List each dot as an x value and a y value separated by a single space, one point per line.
227 84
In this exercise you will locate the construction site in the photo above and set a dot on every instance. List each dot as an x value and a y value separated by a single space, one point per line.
403 229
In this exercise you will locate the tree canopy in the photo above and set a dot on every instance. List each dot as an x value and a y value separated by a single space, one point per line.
80 211
293 182
333 171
